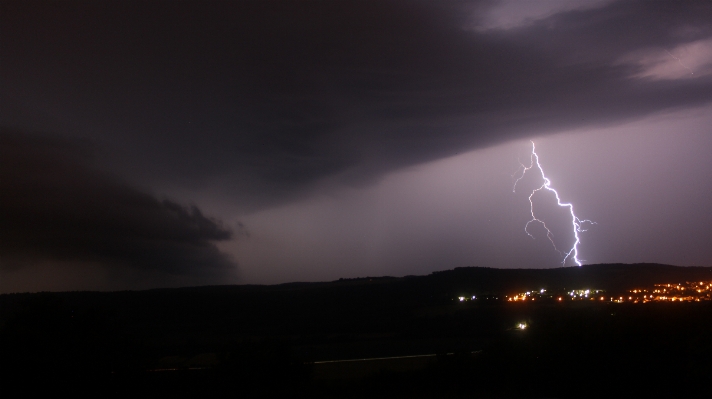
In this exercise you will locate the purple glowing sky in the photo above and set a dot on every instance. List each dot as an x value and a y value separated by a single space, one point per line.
146 145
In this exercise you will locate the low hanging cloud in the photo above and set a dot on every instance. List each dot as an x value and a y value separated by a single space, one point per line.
55 206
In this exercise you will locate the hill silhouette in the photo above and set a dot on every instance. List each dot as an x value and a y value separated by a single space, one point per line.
266 336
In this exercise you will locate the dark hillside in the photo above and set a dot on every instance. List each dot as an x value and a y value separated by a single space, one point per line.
263 337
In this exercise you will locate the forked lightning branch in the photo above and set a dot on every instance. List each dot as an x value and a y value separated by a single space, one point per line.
576 223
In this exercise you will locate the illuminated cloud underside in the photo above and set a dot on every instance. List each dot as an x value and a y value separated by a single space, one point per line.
685 61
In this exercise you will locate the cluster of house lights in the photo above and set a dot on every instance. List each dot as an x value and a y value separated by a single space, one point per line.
688 292
529 295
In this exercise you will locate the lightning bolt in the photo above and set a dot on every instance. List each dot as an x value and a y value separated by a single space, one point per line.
680 62
576 223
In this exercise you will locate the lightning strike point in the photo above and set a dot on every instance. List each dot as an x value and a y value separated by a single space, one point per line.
576 223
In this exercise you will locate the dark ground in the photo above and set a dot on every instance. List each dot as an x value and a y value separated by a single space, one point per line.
262 341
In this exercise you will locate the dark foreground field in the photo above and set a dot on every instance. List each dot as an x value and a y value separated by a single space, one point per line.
292 340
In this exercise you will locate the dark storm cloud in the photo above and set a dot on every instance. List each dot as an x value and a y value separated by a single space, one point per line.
57 207
265 98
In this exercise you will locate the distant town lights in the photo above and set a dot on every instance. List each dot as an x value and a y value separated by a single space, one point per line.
687 292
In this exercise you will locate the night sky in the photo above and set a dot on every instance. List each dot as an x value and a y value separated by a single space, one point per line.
174 143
